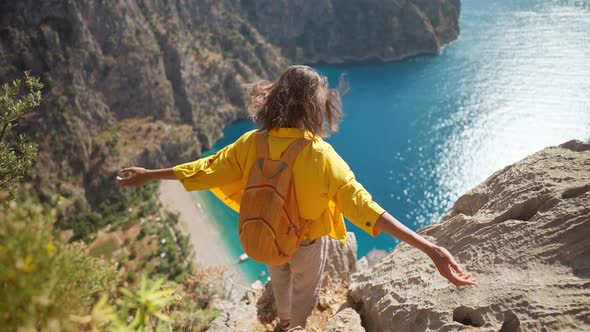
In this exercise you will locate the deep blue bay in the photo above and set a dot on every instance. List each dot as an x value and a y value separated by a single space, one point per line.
421 132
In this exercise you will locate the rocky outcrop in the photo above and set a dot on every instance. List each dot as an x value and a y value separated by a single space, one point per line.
373 257
346 320
340 261
329 31
234 317
523 233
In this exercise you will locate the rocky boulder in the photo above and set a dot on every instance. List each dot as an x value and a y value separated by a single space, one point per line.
346 320
235 317
523 233
340 261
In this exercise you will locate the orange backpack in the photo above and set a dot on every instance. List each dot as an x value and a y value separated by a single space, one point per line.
269 225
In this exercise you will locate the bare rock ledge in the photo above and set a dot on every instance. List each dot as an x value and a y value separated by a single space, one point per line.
525 235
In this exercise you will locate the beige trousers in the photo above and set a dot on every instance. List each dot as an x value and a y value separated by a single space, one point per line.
296 284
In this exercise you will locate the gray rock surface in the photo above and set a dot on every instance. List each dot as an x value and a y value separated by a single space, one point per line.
340 261
523 233
375 256
236 317
362 264
346 320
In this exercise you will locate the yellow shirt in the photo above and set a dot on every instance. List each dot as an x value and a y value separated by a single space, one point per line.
325 187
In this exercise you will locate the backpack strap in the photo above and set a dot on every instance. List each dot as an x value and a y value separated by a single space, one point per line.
262 145
293 150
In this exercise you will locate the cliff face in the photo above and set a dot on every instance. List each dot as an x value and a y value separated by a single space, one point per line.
330 31
151 82
523 233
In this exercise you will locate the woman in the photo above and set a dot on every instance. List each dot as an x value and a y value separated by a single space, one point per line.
299 104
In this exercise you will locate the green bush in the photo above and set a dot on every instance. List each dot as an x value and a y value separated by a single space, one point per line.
123 207
141 309
131 277
142 233
48 285
16 156
43 281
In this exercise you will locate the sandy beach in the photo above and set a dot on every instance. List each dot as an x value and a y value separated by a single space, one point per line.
206 240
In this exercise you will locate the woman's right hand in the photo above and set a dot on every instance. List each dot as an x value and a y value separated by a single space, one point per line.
444 261
449 268
137 176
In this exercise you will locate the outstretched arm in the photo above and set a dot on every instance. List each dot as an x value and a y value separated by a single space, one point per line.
138 176
443 260
358 206
224 167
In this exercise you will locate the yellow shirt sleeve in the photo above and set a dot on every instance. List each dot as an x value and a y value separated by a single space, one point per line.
353 200
218 170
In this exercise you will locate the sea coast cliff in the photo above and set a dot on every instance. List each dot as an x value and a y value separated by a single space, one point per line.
153 83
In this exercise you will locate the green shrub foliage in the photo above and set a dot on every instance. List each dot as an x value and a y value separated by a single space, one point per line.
16 154
49 283
42 280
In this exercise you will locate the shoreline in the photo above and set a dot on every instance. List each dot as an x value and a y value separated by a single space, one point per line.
206 240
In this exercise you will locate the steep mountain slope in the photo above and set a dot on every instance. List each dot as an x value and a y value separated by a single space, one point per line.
150 82
337 31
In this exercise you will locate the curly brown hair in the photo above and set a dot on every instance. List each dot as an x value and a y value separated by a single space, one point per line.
300 98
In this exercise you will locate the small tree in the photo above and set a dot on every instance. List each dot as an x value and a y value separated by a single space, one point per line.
16 157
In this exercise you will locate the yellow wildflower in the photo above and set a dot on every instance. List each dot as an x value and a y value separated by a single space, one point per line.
26 264
50 248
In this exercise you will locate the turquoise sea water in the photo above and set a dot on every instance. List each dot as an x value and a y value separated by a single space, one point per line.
421 132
